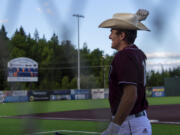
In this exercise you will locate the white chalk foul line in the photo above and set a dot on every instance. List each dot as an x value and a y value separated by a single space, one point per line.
154 121
168 122
164 122
65 131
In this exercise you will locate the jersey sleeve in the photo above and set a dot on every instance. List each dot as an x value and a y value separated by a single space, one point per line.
126 70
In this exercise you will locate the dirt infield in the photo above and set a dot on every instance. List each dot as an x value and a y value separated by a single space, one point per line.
162 113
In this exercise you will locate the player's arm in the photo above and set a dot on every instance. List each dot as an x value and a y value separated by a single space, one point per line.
127 103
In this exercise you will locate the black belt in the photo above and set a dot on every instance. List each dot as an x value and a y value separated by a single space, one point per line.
140 114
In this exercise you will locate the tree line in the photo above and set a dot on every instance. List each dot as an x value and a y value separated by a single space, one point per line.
58 63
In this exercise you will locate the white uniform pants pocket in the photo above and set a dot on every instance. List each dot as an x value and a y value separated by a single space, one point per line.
140 126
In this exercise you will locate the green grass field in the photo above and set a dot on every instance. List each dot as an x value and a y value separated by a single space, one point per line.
47 127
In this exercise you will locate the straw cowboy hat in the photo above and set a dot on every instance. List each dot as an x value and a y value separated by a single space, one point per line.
127 21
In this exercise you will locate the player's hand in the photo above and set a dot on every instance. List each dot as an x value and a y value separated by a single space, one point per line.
142 14
113 129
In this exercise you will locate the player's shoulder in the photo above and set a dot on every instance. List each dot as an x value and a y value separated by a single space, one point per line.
131 51
134 51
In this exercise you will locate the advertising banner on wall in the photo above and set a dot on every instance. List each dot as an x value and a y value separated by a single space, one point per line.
19 93
22 69
80 94
82 91
97 93
158 92
60 95
61 92
1 93
1 96
39 95
13 96
9 99
106 93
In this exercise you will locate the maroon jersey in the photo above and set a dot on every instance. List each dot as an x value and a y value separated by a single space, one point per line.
128 67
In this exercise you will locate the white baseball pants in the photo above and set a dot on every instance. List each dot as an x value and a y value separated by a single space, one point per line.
136 126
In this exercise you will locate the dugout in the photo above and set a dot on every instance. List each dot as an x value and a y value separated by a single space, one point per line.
172 86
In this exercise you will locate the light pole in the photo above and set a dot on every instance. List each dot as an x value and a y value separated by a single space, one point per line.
78 78
104 82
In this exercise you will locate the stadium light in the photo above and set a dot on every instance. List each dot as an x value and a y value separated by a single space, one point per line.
78 16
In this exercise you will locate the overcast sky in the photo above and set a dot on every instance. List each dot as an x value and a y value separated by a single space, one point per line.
161 45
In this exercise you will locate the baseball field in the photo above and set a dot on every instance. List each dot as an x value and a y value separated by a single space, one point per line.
81 117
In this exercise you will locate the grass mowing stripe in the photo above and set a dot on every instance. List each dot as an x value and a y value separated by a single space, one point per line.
163 100
50 106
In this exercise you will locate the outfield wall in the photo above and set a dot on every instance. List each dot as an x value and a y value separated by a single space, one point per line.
13 96
73 94
53 95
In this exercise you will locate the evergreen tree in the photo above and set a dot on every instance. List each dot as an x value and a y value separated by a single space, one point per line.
4 54
3 33
18 44
36 35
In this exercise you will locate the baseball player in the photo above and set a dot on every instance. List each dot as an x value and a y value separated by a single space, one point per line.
127 78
